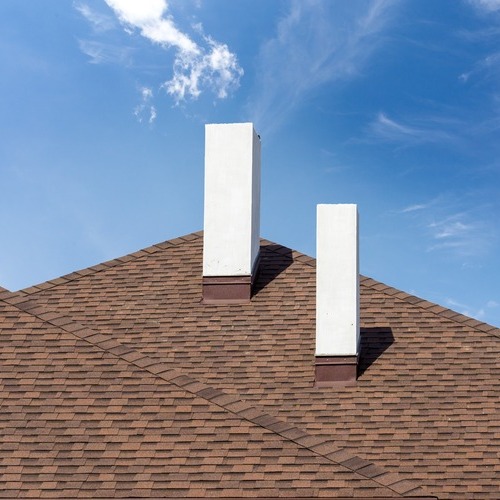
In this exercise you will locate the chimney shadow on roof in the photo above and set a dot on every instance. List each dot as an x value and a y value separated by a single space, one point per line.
274 259
374 342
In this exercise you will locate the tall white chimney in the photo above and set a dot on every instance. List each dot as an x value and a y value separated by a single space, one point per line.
337 294
232 212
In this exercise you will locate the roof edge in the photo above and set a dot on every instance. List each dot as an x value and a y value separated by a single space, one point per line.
430 306
139 254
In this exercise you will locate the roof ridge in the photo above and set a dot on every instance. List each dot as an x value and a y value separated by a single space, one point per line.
296 255
230 403
430 306
103 266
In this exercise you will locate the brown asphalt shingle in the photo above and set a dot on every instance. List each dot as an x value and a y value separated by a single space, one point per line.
82 417
424 411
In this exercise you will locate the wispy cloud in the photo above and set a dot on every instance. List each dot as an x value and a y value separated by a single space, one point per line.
488 67
145 111
414 208
450 229
484 73
486 5
315 43
406 134
480 35
197 65
479 313
99 21
106 53
459 227
460 234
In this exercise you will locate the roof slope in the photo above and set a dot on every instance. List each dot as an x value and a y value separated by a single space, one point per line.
425 405
83 415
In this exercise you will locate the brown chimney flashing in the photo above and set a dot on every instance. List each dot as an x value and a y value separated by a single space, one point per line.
335 370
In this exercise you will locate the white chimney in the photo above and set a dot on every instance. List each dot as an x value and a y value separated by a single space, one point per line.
337 294
232 212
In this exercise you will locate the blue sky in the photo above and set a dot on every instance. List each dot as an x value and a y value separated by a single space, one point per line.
393 105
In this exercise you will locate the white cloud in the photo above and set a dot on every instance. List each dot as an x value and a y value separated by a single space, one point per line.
216 69
145 111
196 67
148 17
316 43
146 93
138 13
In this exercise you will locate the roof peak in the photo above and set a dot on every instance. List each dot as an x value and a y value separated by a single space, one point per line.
297 256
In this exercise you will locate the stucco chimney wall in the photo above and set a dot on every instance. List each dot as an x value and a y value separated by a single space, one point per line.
232 211
337 294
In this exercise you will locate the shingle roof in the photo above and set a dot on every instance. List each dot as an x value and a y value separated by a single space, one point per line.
119 376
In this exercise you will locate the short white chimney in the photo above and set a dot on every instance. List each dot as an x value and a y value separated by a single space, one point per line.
232 212
337 294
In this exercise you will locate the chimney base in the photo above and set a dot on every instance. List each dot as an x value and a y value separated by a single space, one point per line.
226 289
229 289
335 370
